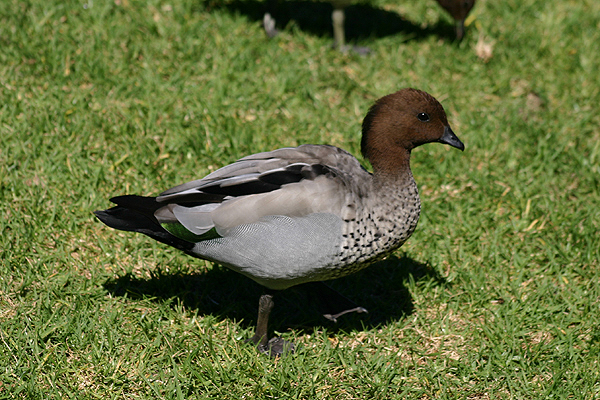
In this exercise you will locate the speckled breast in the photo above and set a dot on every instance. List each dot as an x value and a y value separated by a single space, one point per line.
376 231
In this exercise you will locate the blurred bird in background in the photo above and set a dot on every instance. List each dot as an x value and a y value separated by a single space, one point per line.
458 9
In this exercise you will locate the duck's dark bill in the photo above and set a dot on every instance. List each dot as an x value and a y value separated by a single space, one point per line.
451 139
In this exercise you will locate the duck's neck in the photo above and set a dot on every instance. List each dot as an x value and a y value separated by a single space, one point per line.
393 171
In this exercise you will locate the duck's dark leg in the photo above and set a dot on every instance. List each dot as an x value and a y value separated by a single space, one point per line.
276 346
334 303
265 305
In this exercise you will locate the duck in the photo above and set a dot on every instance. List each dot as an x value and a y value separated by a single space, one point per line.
299 214
458 10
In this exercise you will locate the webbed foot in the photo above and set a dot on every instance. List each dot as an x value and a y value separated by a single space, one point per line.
277 347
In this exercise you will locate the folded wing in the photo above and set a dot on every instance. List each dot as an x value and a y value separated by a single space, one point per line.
292 182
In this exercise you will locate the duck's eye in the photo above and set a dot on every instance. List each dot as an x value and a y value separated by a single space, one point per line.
423 117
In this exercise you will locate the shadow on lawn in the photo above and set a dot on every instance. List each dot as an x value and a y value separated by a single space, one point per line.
227 294
362 20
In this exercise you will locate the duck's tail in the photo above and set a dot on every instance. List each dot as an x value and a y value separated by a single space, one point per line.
136 214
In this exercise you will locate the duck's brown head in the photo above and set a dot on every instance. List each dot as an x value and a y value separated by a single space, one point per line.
401 121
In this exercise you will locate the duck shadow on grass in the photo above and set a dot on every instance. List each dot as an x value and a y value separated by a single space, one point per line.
223 293
362 20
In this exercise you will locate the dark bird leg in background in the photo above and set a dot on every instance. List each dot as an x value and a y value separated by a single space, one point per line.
459 26
460 29
338 17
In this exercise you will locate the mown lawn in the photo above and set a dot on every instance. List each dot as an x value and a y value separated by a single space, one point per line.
496 295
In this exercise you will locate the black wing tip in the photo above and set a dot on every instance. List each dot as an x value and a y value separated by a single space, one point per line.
131 220
120 218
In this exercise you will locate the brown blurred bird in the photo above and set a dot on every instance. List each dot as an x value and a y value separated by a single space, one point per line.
459 10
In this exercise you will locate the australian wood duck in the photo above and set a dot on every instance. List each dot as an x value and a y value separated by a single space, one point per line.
302 214
458 10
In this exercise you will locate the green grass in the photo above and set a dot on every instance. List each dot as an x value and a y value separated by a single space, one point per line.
496 295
